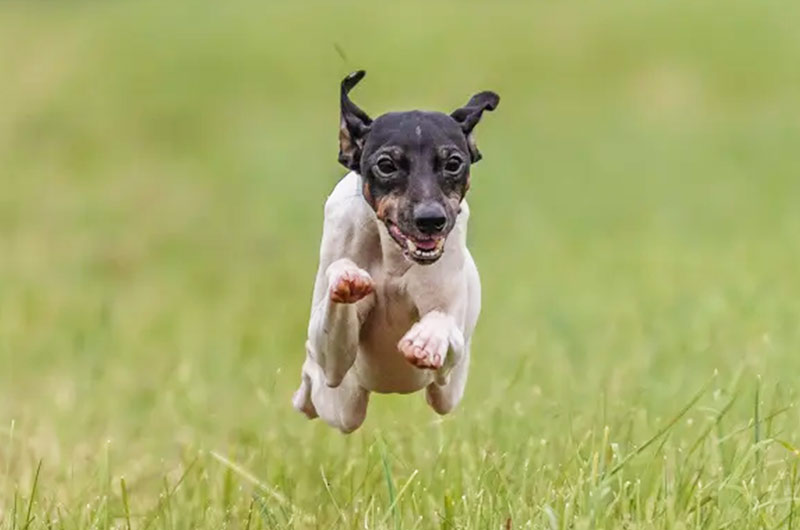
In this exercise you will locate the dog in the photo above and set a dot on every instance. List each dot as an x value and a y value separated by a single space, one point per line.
397 294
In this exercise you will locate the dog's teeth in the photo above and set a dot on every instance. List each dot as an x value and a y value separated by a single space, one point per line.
411 246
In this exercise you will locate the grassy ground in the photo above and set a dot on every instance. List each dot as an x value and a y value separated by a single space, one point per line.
635 221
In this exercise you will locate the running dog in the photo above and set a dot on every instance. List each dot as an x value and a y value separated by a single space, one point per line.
397 294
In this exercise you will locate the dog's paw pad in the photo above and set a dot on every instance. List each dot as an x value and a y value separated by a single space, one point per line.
350 285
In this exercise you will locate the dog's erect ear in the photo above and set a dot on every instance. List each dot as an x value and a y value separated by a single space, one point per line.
469 115
354 125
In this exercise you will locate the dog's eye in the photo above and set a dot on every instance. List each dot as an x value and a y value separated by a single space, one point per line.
453 164
386 167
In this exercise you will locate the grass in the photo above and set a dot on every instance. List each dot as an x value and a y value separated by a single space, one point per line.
635 221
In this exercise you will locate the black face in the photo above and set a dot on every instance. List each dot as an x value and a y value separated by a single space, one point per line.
415 167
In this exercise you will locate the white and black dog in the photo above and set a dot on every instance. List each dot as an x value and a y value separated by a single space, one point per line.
397 294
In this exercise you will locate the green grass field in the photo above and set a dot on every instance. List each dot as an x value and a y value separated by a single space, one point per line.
636 222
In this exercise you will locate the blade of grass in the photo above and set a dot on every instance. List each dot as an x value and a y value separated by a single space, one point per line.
28 519
728 406
159 506
387 472
266 513
747 427
14 510
665 429
448 517
791 500
252 479
341 515
169 523
757 433
10 449
107 487
249 514
397 497
125 504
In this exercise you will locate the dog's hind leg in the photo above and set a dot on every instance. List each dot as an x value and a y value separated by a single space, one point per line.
443 398
343 407
445 393
301 400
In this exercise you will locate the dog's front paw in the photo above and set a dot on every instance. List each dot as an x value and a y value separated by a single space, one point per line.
427 342
347 282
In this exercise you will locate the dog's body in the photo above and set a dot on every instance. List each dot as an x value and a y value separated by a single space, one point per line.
396 298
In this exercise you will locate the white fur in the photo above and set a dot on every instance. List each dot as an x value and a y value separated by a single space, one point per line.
354 348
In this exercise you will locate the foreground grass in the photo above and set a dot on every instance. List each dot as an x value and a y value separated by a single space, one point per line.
635 225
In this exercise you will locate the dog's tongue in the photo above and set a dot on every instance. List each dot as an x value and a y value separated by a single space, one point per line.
426 244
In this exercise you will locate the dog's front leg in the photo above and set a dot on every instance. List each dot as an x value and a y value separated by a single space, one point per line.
334 327
435 342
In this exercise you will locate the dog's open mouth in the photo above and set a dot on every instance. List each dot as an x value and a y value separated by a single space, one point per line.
422 250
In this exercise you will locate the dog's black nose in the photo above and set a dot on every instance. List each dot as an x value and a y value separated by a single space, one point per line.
430 218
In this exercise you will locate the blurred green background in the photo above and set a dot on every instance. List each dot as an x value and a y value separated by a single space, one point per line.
635 220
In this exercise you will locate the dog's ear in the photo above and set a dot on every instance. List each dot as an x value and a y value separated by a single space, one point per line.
469 115
354 125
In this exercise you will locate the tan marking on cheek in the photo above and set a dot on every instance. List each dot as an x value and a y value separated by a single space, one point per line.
454 202
368 194
385 207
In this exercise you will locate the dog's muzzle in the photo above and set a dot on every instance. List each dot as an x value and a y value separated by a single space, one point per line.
424 250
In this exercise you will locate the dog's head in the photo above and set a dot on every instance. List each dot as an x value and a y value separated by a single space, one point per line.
415 167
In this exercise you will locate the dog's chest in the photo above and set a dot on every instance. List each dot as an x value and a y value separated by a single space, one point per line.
380 366
392 314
